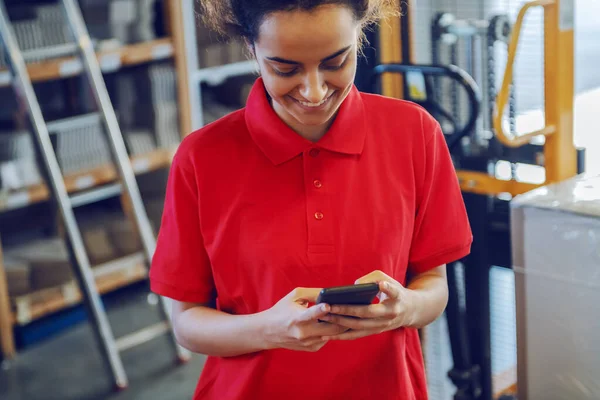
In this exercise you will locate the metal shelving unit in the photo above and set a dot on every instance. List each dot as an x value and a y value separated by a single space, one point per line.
209 75
57 63
110 61
84 180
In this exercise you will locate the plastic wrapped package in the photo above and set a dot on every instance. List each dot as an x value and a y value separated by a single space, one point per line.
556 259
18 166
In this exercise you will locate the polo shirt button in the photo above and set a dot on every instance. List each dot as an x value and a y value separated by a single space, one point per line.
314 152
318 184
319 216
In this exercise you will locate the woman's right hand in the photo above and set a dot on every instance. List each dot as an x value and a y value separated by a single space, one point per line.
291 324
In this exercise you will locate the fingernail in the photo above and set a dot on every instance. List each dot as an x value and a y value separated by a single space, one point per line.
386 285
324 307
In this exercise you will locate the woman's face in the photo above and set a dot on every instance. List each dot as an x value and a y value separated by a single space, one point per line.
308 64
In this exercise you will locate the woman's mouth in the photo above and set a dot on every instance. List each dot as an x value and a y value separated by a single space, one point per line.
314 106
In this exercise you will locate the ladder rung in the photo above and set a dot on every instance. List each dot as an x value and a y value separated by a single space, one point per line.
95 195
43 53
74 123
142 336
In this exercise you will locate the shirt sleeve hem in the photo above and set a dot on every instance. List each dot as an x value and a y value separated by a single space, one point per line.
175 293
442 258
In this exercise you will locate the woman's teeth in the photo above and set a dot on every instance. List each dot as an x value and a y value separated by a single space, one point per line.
307 104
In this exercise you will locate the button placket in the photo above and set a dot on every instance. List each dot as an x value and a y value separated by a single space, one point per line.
318 210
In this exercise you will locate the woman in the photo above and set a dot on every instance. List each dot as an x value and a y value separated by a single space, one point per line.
312 185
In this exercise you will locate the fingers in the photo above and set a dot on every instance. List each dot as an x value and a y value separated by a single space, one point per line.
327 329
314 313
357 323
372 311
310 345
315 345
306 295
375 276
352 335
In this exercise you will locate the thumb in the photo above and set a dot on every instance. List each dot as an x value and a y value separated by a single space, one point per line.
390 290
373 277
307 295
314 312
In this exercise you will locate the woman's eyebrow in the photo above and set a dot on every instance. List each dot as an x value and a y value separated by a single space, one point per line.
285 61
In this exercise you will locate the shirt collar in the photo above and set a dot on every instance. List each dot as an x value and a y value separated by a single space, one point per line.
280 143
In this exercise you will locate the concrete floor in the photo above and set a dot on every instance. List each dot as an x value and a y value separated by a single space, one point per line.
69 367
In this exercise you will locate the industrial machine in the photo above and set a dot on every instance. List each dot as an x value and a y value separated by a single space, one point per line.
477 112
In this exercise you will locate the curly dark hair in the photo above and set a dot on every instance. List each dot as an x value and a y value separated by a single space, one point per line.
242 18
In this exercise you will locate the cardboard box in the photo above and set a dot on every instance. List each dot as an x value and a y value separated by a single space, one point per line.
18 277
99 246
213 55
48 261
236 51
556 259
124 237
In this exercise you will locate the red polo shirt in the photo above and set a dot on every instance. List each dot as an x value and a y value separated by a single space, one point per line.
253 211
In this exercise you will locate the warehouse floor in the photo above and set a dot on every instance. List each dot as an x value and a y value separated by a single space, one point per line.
69 366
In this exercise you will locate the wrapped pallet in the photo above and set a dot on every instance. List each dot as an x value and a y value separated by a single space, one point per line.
556 259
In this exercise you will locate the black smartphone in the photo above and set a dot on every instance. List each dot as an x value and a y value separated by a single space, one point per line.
362 294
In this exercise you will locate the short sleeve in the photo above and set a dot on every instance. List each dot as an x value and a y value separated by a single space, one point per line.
442 233
180 267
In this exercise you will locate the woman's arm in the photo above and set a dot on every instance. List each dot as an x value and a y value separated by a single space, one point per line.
289 324
430 296
202 329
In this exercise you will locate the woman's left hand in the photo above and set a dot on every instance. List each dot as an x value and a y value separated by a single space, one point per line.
394 310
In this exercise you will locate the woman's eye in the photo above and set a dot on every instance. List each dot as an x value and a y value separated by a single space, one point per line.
285 72
334 67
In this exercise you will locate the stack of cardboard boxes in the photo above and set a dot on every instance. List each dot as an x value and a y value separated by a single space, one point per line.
128 21
213 51
44 263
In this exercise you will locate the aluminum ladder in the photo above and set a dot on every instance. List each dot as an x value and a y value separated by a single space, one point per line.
110 348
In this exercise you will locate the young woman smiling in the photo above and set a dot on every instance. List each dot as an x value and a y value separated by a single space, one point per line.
312 185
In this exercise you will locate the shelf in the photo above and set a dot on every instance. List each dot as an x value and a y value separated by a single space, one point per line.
109 277
216 75
110 61
87 179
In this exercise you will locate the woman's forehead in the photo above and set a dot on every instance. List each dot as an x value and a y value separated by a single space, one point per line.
309 35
